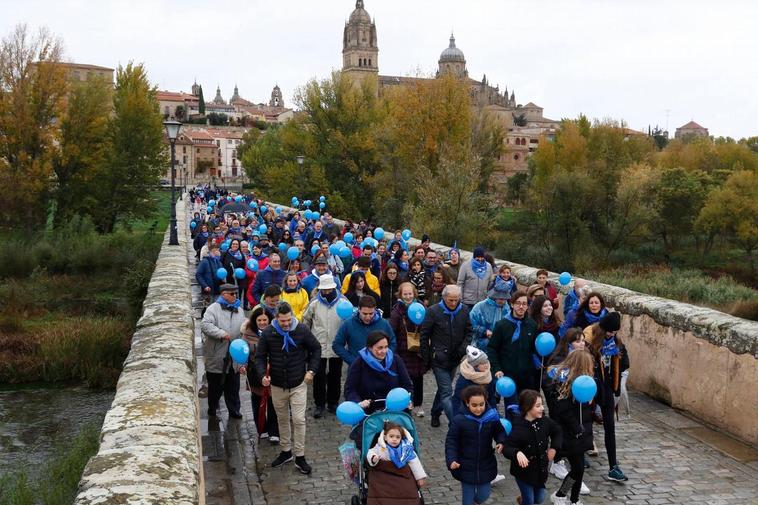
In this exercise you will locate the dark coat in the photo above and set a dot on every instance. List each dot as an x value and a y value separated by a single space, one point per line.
531 438
206 274
400 325
462 383
388 296
365 383
443 342
609 379
577 437
287 368
473 449
580 321
265 278
514 359
231 263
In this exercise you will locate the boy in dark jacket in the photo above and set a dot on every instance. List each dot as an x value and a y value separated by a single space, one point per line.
206 272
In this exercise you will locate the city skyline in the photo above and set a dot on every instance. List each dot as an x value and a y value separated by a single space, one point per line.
600 58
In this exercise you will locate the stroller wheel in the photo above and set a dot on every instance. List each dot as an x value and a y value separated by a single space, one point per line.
355 500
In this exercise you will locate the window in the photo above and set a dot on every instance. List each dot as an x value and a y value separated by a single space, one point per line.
184 149
198 150
230 141
184 159
218 143
234 154
369 62
515 157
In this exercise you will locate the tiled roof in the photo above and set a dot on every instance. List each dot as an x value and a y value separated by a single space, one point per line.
691 126
86 66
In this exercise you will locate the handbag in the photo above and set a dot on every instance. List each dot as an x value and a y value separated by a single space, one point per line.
413 338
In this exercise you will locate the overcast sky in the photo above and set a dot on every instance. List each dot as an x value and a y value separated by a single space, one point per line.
623 59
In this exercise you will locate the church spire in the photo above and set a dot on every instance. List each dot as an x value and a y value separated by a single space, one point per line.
359 4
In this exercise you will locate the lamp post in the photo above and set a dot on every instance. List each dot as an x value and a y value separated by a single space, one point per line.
172 130
300 160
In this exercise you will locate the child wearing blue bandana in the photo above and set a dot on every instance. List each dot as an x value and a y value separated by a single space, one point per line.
395 444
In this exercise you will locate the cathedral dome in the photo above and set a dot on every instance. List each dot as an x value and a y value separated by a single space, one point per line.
452 53
359 15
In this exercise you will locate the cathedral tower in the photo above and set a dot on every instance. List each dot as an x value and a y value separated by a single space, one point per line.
276 98
452 61
360 52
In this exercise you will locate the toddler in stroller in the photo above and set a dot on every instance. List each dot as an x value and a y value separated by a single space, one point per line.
395 444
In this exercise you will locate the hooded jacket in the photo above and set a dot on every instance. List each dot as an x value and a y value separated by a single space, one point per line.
484 316
288 367
218 322
351 337
298 299
471 445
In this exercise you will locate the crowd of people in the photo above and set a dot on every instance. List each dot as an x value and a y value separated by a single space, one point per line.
277 278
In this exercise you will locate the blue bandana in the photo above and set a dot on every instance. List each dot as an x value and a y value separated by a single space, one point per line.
489 416
558 375
517 332
401 454
286 338
229 306
450 313
609 347
592 319
479 267
374 363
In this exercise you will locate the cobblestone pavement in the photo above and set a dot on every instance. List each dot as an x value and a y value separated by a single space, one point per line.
664 463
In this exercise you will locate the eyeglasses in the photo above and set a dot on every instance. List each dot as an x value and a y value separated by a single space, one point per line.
520 304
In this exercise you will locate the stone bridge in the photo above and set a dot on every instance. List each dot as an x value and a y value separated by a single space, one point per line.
690 436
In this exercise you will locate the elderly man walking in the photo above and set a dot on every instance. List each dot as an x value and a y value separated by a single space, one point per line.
221 324
445 333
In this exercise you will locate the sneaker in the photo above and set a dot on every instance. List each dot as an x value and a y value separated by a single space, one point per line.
617 475
435 421
559 469
584 489
284 457
497 479
274 440
203 391
302 465
420 412
264 434
318 412
578 502
557 500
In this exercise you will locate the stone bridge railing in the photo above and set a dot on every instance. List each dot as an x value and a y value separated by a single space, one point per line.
150 449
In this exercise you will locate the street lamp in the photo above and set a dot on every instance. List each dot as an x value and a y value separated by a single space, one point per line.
300 161
172 130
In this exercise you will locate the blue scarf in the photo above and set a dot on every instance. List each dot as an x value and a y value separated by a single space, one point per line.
233 307
558 375
401 454
489 416
479 267
592 319
403 266
450 313
204 235
374 363
609 347
236 254
517 332
287 339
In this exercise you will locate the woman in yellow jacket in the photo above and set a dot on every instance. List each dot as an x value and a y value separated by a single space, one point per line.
294 294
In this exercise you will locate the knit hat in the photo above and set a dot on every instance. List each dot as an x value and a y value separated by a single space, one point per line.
498 292
326 281
611 322
478 252
475 356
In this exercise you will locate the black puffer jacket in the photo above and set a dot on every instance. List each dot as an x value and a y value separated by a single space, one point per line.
531 438
444 340
577 437
470 445
287 368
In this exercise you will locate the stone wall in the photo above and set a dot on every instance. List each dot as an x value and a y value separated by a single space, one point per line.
693 358
150 448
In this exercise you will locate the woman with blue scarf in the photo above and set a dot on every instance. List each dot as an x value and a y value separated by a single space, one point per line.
375 373
233 259
590 311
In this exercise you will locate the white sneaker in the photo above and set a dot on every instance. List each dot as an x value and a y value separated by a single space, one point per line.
264 434
585 489
273 440
557 500
577 502
497 479
420 412
559 469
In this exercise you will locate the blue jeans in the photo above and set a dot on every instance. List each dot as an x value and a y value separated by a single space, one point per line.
474 493
530 495
444 378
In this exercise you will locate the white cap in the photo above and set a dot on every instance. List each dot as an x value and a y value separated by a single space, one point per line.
326 281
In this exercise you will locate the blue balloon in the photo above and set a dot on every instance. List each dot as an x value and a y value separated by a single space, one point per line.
344 309
345 252
341 244
334 249
254 205
315 249
350 413
379 233
507 426
240 351
193 224
228 198
564 278
322 205
282 247
293 253
315 215
211 202
545 343
209 209
237 198
221 274
406 234
294 200
307 215
307 203
416 312
252 265
397 400
263 228
278 210
239 273
263 209
224 247
505 387
584 388
322 198
348 238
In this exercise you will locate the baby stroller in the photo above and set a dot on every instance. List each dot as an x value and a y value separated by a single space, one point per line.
373 425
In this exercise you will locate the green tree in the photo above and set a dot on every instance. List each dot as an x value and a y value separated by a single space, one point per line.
136 156
32 87
201 101
677 197
179 113
516 186
218 119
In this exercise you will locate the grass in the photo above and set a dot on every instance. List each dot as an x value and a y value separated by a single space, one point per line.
687 285
58 480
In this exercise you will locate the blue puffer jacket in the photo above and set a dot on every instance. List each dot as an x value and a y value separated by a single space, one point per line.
483 316
351 337
206 274
265 278
470 444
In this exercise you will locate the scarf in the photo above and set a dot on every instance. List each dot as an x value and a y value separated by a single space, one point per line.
482 377
329 300
479 267
401 454
450 313
517 331
204 235
558 375
231 307
609 347
375 364
489 416
592 319
236 254
287 339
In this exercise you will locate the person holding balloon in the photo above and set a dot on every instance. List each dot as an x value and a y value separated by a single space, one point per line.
234 262
545 315
353 333
406 324
220 326
206 273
